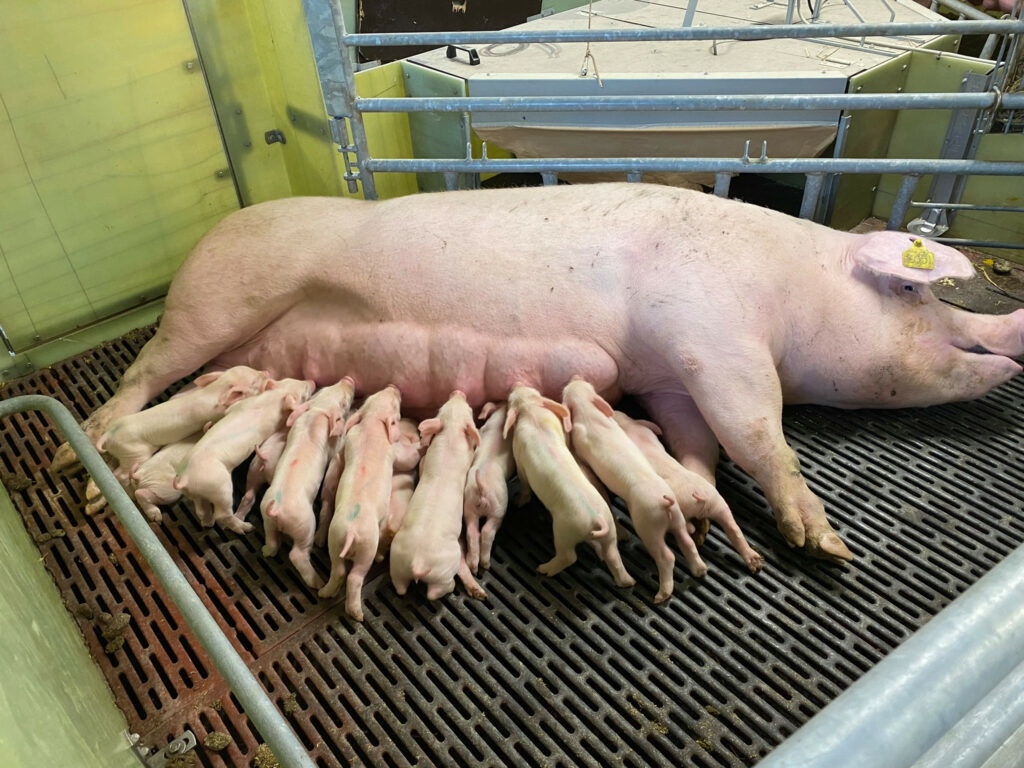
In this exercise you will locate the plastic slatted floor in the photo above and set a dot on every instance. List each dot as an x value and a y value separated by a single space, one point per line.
557 672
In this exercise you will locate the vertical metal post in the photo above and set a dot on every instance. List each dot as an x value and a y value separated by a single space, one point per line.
902 202
548 178
722 182
691 9
812 193
634 177
451 181
828 192
355 117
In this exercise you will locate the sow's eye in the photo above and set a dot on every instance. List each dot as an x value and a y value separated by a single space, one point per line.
910 290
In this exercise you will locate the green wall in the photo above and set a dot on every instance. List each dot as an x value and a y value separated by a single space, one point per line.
55 707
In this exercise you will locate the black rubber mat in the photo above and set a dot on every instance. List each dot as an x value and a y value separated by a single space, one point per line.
569 671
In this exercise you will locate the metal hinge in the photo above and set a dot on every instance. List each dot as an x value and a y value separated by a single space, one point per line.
160 758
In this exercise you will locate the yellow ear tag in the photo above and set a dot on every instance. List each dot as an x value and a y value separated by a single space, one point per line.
918 257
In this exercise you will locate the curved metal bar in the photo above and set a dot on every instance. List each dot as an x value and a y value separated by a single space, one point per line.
906 702
258 706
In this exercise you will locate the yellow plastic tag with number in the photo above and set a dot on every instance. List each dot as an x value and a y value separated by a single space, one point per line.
918 257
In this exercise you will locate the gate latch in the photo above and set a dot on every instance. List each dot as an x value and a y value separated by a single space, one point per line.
160 758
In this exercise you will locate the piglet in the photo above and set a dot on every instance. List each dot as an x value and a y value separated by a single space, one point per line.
487 486
152 483
427 547
133 439
403 482
548 469
621 466
698 499
261 470
328 492
364 490
205 474
315 428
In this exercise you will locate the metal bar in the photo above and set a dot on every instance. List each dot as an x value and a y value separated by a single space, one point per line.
355 116
980 732
258 706
902 202
549 179
907 701
691 9
761 32
812 193
684 102
968 207
965 10
691 164
722 182
977 243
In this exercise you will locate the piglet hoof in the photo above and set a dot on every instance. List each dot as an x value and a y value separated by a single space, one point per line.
829 547
356 612
268 550
662 596
755 562
94 507
63 460
625 581
700 530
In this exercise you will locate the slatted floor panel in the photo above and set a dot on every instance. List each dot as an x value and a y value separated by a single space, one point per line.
569 671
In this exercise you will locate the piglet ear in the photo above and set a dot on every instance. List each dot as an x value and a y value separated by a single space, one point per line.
602 405
337 425
487 410
232 396
428 429
354 419
208 378
394 432
560 411
909 258
510 420
298 411
473 436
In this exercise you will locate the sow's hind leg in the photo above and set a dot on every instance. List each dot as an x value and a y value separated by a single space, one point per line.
203 318
741 399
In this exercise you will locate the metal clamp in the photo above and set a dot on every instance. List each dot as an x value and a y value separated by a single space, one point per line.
160 758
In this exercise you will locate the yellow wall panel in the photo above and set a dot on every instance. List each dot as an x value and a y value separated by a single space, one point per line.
111 163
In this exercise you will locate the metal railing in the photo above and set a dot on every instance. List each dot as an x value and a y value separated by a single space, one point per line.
257 705
344 106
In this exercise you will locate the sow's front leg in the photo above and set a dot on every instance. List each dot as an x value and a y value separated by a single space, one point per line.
201 321
742 403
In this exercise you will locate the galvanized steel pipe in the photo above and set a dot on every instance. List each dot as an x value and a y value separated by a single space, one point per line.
983 730
904 705
760 32
258 706
920 166
687 103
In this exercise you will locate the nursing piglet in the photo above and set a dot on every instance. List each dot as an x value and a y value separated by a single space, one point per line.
205 474
363 494
261 470
548 469
133 439
621 466
426 547
697 498
315 427
153 483
487 486
403 483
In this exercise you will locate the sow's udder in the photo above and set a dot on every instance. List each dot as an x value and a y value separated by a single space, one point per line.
427 364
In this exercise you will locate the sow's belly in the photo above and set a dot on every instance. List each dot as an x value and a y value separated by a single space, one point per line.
427 363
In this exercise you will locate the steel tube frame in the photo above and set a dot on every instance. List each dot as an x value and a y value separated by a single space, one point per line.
691 164
687 103
761 32
258 706
905 704
983 730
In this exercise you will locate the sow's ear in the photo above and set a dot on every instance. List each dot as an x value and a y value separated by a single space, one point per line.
883 254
